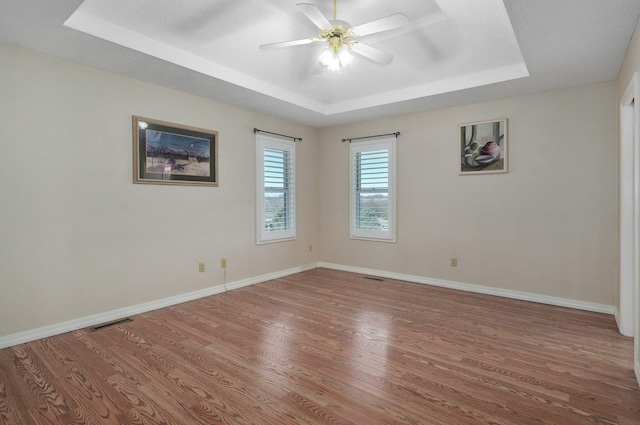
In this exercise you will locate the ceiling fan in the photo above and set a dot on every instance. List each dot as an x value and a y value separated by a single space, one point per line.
341 38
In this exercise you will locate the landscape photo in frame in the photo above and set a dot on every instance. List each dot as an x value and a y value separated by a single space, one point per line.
168 153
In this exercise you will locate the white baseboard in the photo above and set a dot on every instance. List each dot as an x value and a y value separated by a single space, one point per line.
72 325
636 368
506 293
625 330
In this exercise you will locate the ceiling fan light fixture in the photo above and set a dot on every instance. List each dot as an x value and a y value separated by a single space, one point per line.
326 56
337 54
345 57
334 64
334 60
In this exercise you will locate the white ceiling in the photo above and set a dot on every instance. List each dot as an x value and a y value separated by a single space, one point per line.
452 52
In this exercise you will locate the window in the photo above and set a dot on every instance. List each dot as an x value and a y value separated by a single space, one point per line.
373 190
276 190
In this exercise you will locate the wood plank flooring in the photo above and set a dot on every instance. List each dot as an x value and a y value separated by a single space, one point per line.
329 347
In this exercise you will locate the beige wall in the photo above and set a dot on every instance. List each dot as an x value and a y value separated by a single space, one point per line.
547 227
78 238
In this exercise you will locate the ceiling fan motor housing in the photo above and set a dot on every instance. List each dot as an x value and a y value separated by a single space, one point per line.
338 34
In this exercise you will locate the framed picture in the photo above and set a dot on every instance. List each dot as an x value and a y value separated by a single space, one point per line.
483 147
167 153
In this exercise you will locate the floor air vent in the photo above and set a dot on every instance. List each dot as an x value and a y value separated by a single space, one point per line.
115 322
379 279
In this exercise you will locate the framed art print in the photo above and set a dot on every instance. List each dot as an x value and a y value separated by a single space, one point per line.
483 147
167 153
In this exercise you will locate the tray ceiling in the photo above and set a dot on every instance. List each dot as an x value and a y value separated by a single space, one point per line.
452 52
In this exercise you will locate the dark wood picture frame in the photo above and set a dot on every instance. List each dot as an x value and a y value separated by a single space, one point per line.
174 154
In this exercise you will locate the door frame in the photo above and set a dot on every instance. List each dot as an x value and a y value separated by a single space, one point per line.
629 209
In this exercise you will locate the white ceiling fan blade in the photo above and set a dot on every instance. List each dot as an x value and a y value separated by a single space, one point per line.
372 53
288 43
385 24
312 12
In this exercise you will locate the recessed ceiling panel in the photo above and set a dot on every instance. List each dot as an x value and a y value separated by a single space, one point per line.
447 46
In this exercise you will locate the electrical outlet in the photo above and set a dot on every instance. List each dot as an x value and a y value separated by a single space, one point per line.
201 267
454 262
223 263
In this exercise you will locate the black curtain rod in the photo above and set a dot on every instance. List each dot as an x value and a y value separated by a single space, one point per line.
295 139
397 133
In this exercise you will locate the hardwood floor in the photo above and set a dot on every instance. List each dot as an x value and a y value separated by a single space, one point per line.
329 347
